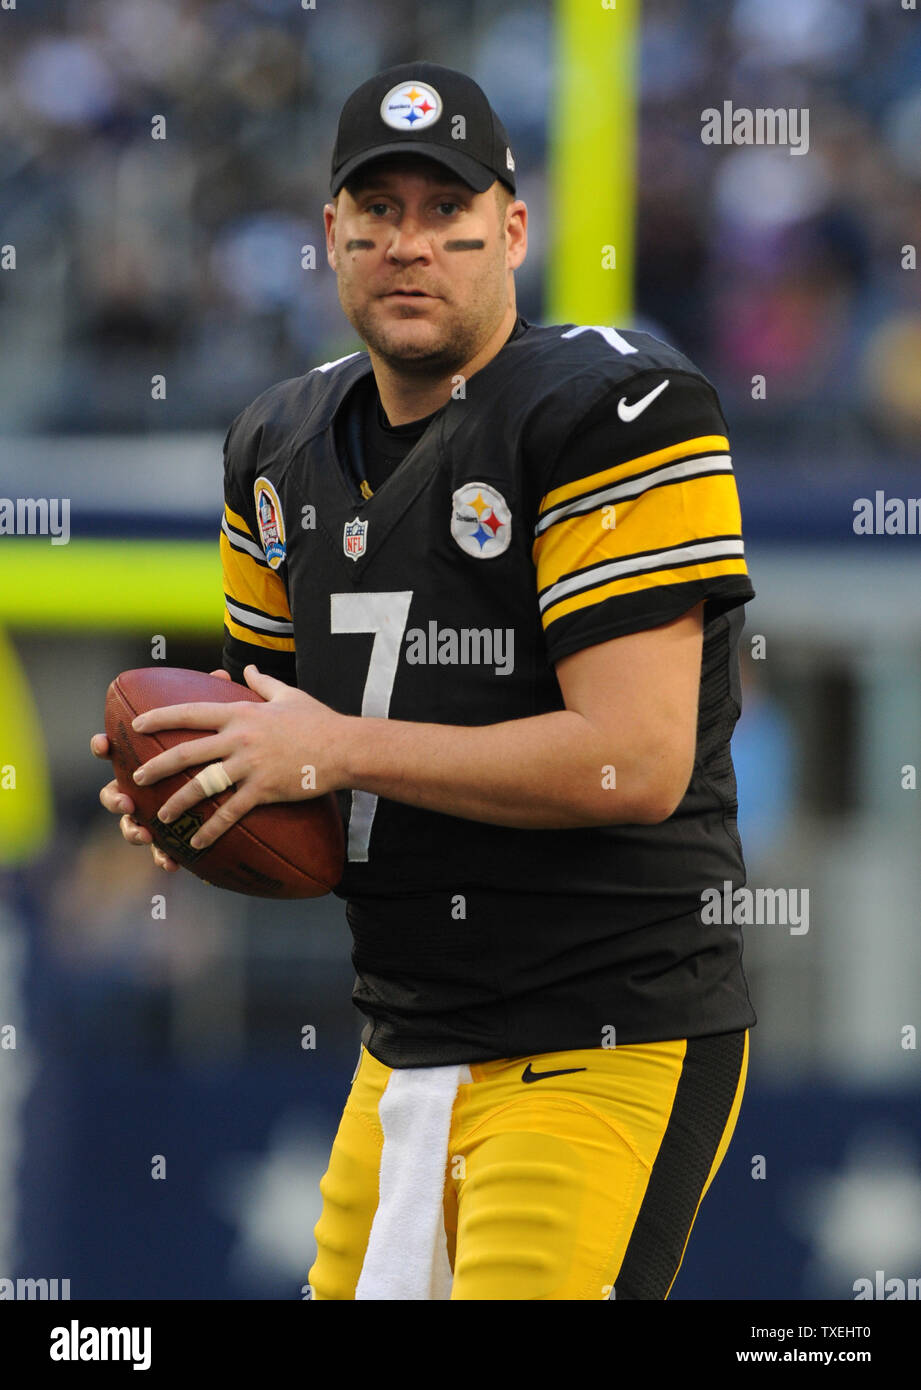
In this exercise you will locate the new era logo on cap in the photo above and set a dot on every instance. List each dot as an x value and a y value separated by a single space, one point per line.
423 108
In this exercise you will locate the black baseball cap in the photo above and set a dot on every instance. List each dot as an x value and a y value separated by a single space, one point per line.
422 108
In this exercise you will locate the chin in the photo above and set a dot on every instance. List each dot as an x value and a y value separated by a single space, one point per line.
411 347
413 340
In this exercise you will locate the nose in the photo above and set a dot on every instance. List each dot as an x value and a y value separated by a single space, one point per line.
408 241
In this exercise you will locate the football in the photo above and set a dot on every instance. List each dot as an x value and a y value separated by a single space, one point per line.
284 850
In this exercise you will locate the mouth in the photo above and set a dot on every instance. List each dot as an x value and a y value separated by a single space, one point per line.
408 294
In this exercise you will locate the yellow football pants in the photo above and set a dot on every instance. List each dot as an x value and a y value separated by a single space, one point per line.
578 1186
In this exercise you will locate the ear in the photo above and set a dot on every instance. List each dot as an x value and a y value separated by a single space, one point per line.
329 220
516 233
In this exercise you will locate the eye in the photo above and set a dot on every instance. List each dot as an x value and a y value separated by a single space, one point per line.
447 208
377 209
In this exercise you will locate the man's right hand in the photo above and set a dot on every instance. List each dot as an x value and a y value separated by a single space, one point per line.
120 805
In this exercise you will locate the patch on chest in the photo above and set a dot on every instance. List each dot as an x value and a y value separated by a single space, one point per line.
481 522
355 538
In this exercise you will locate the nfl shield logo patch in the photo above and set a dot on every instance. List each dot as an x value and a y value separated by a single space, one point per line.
355 538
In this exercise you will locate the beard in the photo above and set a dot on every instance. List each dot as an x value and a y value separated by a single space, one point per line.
444 347
441 352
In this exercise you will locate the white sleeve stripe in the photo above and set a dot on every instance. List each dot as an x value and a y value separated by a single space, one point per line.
697 552
258 622
635 487
239 542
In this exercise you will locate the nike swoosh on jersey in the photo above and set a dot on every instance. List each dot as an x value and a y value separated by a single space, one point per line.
627 413
529 1075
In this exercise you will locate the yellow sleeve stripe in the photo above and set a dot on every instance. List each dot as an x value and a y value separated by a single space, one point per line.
255 619
656 567
238 522
243 543
253 585
659 519
703 444
256 638
632 584
700 466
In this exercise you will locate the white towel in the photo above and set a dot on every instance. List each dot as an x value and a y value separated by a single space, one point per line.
407 1254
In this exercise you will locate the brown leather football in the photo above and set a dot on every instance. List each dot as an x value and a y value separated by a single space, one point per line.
285 850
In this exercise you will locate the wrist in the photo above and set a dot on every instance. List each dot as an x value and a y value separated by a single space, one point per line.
347 744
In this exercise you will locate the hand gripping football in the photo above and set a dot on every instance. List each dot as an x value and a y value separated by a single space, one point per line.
284 850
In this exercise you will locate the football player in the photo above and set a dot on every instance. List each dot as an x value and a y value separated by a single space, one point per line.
489 578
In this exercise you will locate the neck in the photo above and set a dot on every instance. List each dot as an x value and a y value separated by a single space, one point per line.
407 397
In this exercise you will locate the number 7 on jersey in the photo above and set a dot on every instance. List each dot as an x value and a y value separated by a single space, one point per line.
386 615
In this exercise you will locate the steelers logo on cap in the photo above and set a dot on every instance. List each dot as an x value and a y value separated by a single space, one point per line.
411 106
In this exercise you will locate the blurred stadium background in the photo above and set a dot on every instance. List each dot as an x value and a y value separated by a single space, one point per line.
134 257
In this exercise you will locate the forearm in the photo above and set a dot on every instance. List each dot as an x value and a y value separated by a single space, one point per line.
549 771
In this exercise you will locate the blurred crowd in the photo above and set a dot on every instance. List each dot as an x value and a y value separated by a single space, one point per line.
182 256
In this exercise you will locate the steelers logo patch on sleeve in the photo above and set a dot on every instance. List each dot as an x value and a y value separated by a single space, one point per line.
481 522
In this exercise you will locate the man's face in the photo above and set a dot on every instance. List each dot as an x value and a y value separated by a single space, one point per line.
423 262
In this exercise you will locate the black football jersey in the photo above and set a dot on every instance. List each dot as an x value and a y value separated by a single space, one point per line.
577 488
